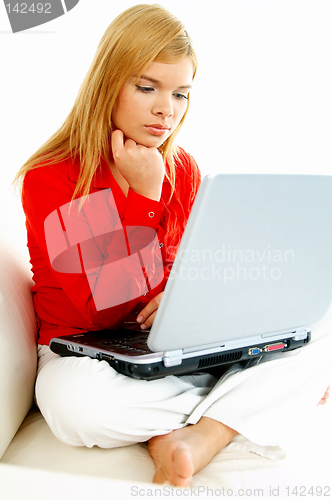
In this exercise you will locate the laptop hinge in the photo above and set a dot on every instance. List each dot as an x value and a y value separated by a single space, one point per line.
172 358
301 334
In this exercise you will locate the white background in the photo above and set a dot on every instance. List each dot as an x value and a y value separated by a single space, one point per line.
262 100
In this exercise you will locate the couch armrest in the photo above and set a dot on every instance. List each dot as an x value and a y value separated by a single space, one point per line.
18 334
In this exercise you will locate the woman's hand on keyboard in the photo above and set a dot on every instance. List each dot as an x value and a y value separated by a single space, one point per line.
147 315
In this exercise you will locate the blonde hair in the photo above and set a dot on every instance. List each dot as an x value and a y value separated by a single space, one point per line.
139 36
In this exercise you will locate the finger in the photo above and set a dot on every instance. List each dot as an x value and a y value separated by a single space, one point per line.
149 321
129 142
324 399
147 311
151 307
327 393
117 141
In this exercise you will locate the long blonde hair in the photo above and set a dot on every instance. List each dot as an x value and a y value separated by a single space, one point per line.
139 36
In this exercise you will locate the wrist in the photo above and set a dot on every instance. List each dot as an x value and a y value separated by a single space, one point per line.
147 192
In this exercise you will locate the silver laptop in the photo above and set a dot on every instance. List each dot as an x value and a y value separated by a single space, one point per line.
252 274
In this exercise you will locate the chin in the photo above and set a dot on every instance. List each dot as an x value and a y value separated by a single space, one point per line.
150 143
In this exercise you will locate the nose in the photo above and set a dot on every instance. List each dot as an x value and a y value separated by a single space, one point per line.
163 106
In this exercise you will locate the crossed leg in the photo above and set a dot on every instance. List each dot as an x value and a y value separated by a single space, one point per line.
183 452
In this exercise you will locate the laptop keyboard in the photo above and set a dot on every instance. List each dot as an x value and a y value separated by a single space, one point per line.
135 344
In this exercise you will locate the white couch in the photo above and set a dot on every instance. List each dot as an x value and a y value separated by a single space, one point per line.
32 460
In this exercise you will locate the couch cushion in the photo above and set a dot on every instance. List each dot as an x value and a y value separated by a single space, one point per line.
18 357
35 447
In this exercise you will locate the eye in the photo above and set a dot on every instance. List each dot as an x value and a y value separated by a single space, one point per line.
144 89
180 96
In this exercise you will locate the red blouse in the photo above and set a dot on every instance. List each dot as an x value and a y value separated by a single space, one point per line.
98 265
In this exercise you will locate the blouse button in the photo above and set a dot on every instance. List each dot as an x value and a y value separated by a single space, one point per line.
161 245
151 214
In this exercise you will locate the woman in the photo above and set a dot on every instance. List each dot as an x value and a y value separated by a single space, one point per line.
110 170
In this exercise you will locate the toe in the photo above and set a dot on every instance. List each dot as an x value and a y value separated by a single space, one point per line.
183 463
159 477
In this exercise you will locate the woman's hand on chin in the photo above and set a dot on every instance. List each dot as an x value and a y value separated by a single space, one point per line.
142 167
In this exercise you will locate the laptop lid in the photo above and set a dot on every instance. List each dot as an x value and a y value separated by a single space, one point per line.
255 261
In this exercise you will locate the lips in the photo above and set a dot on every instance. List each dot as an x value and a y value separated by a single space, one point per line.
157 129
158 125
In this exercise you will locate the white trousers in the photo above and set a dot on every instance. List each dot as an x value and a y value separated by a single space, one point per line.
85 402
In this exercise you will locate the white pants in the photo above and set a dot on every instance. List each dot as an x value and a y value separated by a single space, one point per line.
87 403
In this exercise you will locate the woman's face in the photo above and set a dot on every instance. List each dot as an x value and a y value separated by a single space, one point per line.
149 110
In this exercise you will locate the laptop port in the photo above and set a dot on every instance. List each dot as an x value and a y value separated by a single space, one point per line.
254 350
105 357
275 347
122 366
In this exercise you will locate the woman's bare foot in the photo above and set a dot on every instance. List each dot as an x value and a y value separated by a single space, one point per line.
326 396
183 452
